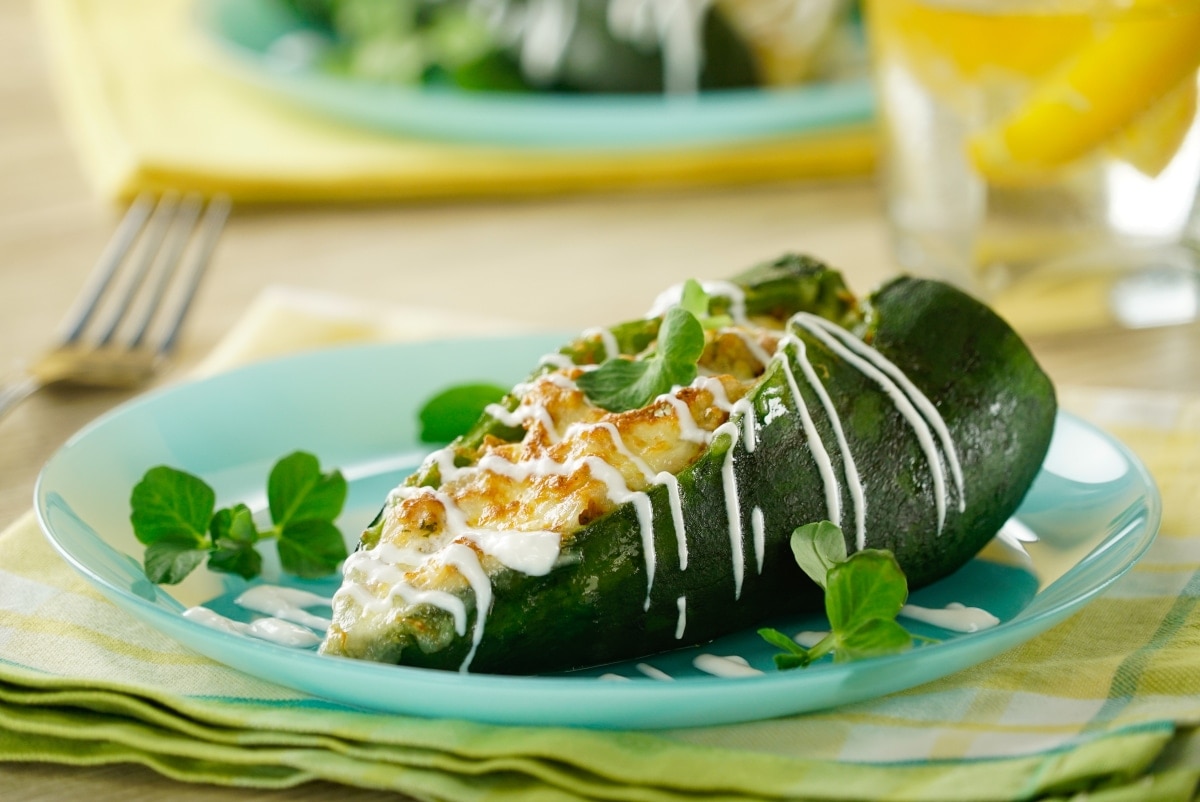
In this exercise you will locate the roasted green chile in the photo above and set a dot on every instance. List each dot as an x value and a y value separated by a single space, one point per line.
932 496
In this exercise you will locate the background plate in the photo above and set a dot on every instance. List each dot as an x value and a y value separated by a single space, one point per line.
245 32
1090 515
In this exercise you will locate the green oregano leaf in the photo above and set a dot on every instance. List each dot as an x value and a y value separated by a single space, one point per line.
234 535
298 491
453 411
311 548
168 560
695 300
171 504
863 595
869 585
818 547
621 384
171 511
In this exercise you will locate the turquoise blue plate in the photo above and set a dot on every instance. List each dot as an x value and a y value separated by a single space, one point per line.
246 37
1090 515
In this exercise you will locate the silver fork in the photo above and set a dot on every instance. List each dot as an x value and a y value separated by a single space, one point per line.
127 318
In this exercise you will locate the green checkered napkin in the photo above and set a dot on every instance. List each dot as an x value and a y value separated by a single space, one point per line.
1106 702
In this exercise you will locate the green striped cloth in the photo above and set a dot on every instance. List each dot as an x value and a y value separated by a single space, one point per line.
1106 702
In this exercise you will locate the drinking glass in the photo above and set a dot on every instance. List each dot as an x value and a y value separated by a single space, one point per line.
1045 149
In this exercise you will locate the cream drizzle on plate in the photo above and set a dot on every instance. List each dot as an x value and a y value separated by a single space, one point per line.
287 622
955 617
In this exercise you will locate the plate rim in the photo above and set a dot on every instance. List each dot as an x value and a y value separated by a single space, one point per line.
1021 627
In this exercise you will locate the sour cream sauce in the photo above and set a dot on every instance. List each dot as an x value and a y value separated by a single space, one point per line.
287 622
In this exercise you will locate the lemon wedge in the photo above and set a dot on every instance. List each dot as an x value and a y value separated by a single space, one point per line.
942 43
1151 141
1109 84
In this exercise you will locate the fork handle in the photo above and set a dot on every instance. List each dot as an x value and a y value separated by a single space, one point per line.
16 391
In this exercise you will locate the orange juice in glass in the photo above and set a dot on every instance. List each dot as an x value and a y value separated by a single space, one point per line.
1045 140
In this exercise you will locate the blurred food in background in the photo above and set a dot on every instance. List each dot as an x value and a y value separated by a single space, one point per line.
611 46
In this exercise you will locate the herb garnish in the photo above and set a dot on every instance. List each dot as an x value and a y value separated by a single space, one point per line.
694 299
620 384
173 514
863 595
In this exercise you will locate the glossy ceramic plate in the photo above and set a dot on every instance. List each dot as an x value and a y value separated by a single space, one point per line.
1090 515
258 40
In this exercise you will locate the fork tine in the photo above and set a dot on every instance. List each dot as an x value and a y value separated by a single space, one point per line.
168 240
181 227
155 234
114 253
210 231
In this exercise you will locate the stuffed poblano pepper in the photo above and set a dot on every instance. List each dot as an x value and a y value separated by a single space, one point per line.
637 493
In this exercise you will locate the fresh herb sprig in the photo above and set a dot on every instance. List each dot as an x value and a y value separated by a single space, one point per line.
173 513
453 411
696 300
863 595
620 384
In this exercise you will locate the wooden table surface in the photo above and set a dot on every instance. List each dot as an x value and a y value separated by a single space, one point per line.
560 263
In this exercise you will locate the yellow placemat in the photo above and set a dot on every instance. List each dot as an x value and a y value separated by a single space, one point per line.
148 111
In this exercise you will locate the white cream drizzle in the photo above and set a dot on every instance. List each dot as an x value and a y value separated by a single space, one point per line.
542 31
386 564
919 399
532 553
736 296
523 413
393 577
752 345
654 673
688 429
681 622
274 630
820 328
675 25
760 537
849 468
816 447
609 340
615 488
521 550
557 361
548 27
717 390
733 507
466 561
955 617
672 295
661 478
733 501
724 666
617 441
809 638
744 408
285 603
676 503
